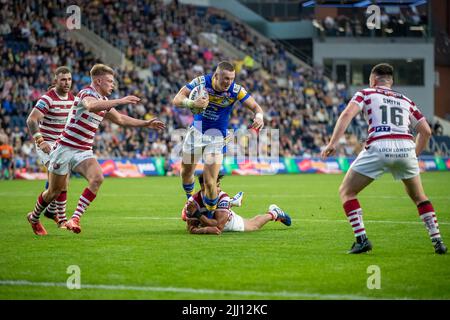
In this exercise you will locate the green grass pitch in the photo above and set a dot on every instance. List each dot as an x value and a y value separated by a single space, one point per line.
134 245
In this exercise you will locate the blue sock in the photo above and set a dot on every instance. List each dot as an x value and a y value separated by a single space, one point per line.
210 204
46 185
189 189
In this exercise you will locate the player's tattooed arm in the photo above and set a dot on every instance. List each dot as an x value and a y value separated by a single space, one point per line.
190 224
205 230
207 221
221 218
33 126
33 121
194 227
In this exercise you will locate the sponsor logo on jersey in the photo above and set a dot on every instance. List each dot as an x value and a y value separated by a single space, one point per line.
224 204
93 120
53 120
41 104
220 101
382 129
198 81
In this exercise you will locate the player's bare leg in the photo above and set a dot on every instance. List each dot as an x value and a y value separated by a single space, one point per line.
188 165
56 184
415 190
91 170
274 214
353 184
213 163
257 222
427 214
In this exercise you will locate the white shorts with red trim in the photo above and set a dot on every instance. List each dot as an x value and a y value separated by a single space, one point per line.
387 155
43 157
64 159
235 223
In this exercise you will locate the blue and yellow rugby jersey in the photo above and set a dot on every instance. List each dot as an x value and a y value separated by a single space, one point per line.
217 114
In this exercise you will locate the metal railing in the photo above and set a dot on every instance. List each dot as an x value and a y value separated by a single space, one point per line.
439 148
278 10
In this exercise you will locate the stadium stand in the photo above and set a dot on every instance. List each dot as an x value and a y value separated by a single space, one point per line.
406 22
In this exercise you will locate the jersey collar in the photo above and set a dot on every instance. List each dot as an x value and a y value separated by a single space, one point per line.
383 87
61 97
93 88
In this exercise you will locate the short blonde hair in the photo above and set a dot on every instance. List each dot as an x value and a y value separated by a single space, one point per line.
225 65
100 70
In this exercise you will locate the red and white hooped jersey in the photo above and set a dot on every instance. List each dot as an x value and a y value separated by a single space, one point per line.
55 110
82 125
222 203
389 113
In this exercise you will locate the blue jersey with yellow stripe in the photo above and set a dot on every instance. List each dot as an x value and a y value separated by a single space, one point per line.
217 114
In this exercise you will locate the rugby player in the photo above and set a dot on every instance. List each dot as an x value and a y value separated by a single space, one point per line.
224 219
390 146
73 151
46 122
207 133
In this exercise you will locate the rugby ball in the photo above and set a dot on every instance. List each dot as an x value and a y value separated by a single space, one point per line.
198 91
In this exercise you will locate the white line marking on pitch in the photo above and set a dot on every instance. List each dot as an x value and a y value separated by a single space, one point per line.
282 294
308 220
255 195
370 221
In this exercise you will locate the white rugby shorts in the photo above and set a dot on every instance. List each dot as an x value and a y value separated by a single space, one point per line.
64 159
43 157
235 223
197 143
397 156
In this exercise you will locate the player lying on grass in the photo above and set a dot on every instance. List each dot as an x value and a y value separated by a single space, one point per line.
224 219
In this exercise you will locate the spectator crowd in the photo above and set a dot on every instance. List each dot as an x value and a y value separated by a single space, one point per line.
161 39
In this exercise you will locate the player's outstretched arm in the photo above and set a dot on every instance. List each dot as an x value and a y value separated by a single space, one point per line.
258 120
423 136
193 226
205 230
194 215
221 218
342 123
182 100
33 120
125 121
95 105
